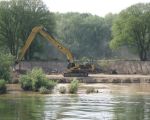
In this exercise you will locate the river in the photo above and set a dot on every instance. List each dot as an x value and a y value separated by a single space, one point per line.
112 102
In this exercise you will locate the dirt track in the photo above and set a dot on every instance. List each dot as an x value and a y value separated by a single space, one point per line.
105 78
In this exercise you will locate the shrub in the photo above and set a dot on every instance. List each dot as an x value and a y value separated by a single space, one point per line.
50 84
44 90
90 90
2 86
73 87
35 80
6 61
38 79
26 82
62 90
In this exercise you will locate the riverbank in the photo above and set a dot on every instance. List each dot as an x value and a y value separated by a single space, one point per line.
103 78
100 88
94 79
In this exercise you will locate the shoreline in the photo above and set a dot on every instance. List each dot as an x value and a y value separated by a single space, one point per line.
135 88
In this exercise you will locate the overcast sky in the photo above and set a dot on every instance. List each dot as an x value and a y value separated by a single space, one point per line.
95 7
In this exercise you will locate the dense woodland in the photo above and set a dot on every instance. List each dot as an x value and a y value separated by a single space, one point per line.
116 36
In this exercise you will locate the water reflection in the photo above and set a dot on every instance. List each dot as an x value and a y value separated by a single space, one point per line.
20 108
132 108
78 107
115 103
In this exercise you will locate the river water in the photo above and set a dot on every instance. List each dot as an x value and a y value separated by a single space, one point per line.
112 102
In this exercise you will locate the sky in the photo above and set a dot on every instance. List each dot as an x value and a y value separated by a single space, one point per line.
95 7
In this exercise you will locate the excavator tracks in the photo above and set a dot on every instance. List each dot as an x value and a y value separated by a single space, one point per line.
84 74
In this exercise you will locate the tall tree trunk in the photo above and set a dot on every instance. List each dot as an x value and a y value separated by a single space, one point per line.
143 55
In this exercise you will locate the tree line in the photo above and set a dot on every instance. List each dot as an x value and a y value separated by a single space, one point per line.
86 35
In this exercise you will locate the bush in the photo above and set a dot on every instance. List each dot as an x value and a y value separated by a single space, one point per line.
38 79
26 82
62 90
90 90
6 61
2 86
73 87
44 90
50 84
35 80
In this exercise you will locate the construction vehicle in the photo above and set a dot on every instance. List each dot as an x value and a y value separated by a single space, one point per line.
73 69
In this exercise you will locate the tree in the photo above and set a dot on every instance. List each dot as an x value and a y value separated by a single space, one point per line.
17 18
85 34
109 19
132 28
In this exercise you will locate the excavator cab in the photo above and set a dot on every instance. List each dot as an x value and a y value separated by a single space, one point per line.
71 65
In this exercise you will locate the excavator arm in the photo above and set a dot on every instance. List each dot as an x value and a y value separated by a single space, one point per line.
42 31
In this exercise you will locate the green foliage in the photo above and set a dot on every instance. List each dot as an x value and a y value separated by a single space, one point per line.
35 80
38 79
62 90
2 86
6 61
132 28
90 90
17 18
82 33
44 90
50 84
26 82
73 87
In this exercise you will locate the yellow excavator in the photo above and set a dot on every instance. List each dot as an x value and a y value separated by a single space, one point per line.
73 70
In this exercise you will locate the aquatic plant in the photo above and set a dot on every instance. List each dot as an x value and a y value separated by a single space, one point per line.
73 87
90 90
44 90
62 90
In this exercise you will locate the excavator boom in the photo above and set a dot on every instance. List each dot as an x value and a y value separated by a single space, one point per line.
41 30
